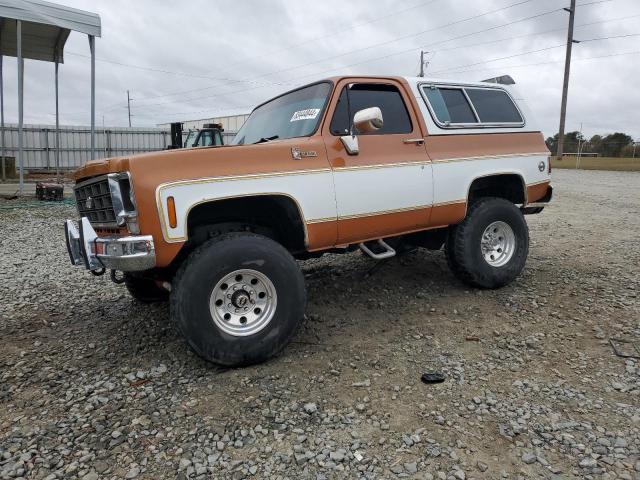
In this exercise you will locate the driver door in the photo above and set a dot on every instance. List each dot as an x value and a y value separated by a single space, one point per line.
386 188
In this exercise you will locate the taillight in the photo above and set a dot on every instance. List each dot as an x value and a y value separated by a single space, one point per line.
549 167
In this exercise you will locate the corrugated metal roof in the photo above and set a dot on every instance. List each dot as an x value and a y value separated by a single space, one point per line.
45 29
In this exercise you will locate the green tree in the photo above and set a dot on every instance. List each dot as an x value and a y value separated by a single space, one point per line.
614 143
595 144
628 150
571 142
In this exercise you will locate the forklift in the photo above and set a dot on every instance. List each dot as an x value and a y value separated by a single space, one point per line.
209 135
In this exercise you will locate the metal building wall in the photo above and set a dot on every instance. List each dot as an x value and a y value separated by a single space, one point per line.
75 144
231 123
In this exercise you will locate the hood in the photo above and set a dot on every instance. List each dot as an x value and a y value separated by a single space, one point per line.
155 168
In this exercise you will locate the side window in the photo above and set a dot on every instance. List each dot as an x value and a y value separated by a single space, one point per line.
218 138
457 107
494 106
450 105
205 139
359 96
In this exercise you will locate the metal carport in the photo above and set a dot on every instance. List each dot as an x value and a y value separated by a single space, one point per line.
39 30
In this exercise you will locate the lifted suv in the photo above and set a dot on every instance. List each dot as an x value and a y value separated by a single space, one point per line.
344 163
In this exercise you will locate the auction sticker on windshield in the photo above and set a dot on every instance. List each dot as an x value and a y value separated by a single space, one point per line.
308 114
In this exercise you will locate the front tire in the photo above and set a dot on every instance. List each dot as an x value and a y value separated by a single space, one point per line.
489 248
238 299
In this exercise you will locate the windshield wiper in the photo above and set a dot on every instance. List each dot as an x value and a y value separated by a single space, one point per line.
267 139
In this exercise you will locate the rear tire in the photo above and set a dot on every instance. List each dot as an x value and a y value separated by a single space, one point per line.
238 299
489 248
145 290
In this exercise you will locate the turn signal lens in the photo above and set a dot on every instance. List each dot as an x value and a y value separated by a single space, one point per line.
171 209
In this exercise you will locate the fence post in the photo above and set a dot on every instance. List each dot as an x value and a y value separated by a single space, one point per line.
46 146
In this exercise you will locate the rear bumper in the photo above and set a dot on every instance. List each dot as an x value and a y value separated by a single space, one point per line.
124 253
538 205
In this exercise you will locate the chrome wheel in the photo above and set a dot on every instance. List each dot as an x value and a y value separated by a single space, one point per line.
498 244
243 302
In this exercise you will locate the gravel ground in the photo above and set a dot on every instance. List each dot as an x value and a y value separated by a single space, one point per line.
94 385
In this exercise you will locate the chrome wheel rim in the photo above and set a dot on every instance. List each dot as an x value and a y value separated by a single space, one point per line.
243 302
498 244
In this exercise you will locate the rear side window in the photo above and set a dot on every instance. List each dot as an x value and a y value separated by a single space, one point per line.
358 96
493 106
450 105
458 107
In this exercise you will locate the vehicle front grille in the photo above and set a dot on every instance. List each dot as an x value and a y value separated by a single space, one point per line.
93 199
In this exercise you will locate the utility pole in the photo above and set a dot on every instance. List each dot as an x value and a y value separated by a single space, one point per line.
129 107
565 86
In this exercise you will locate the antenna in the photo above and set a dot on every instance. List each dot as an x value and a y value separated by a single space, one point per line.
423 64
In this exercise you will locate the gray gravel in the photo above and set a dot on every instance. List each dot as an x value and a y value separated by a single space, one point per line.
94 385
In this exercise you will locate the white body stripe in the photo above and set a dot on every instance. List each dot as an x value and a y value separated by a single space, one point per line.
312 191
359 191
365 190
452 179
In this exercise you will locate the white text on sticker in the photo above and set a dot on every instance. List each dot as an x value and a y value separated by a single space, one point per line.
308 114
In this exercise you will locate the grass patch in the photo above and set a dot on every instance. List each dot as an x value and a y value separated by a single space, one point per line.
599 163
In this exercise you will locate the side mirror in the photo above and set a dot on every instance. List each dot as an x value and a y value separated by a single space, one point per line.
368 120
365 121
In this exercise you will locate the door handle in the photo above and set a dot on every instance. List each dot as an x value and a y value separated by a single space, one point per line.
417 141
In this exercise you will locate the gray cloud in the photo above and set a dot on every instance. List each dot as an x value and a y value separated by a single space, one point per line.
244 42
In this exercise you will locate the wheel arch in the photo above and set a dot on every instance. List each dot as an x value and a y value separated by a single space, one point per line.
509 185
279 212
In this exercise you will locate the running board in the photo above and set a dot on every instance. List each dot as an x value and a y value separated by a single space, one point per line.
388 251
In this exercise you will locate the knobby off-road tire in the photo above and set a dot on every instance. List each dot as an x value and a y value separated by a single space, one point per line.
145 290
489 248
238 299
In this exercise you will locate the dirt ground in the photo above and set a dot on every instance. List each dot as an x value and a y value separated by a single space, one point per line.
94 385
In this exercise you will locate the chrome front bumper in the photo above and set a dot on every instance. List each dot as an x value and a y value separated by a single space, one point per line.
124 253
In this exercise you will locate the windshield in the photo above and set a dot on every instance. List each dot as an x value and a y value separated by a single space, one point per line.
294 114
191 138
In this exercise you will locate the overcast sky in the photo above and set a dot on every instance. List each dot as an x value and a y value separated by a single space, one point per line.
207 58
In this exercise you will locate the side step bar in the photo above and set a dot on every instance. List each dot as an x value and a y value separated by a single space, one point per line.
387 253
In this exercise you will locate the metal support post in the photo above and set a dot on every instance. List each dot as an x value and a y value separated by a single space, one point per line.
20 102
57 129
92 47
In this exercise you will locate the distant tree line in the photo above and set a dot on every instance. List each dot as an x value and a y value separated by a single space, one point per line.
612 145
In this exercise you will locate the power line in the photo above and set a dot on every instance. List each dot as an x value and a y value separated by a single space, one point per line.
384 56
467 45
251 80
532 51
361 49
248 80
334 32
159 70
430 45
550 62
375 58
397 39
502 58
597 57
412 49
610 38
